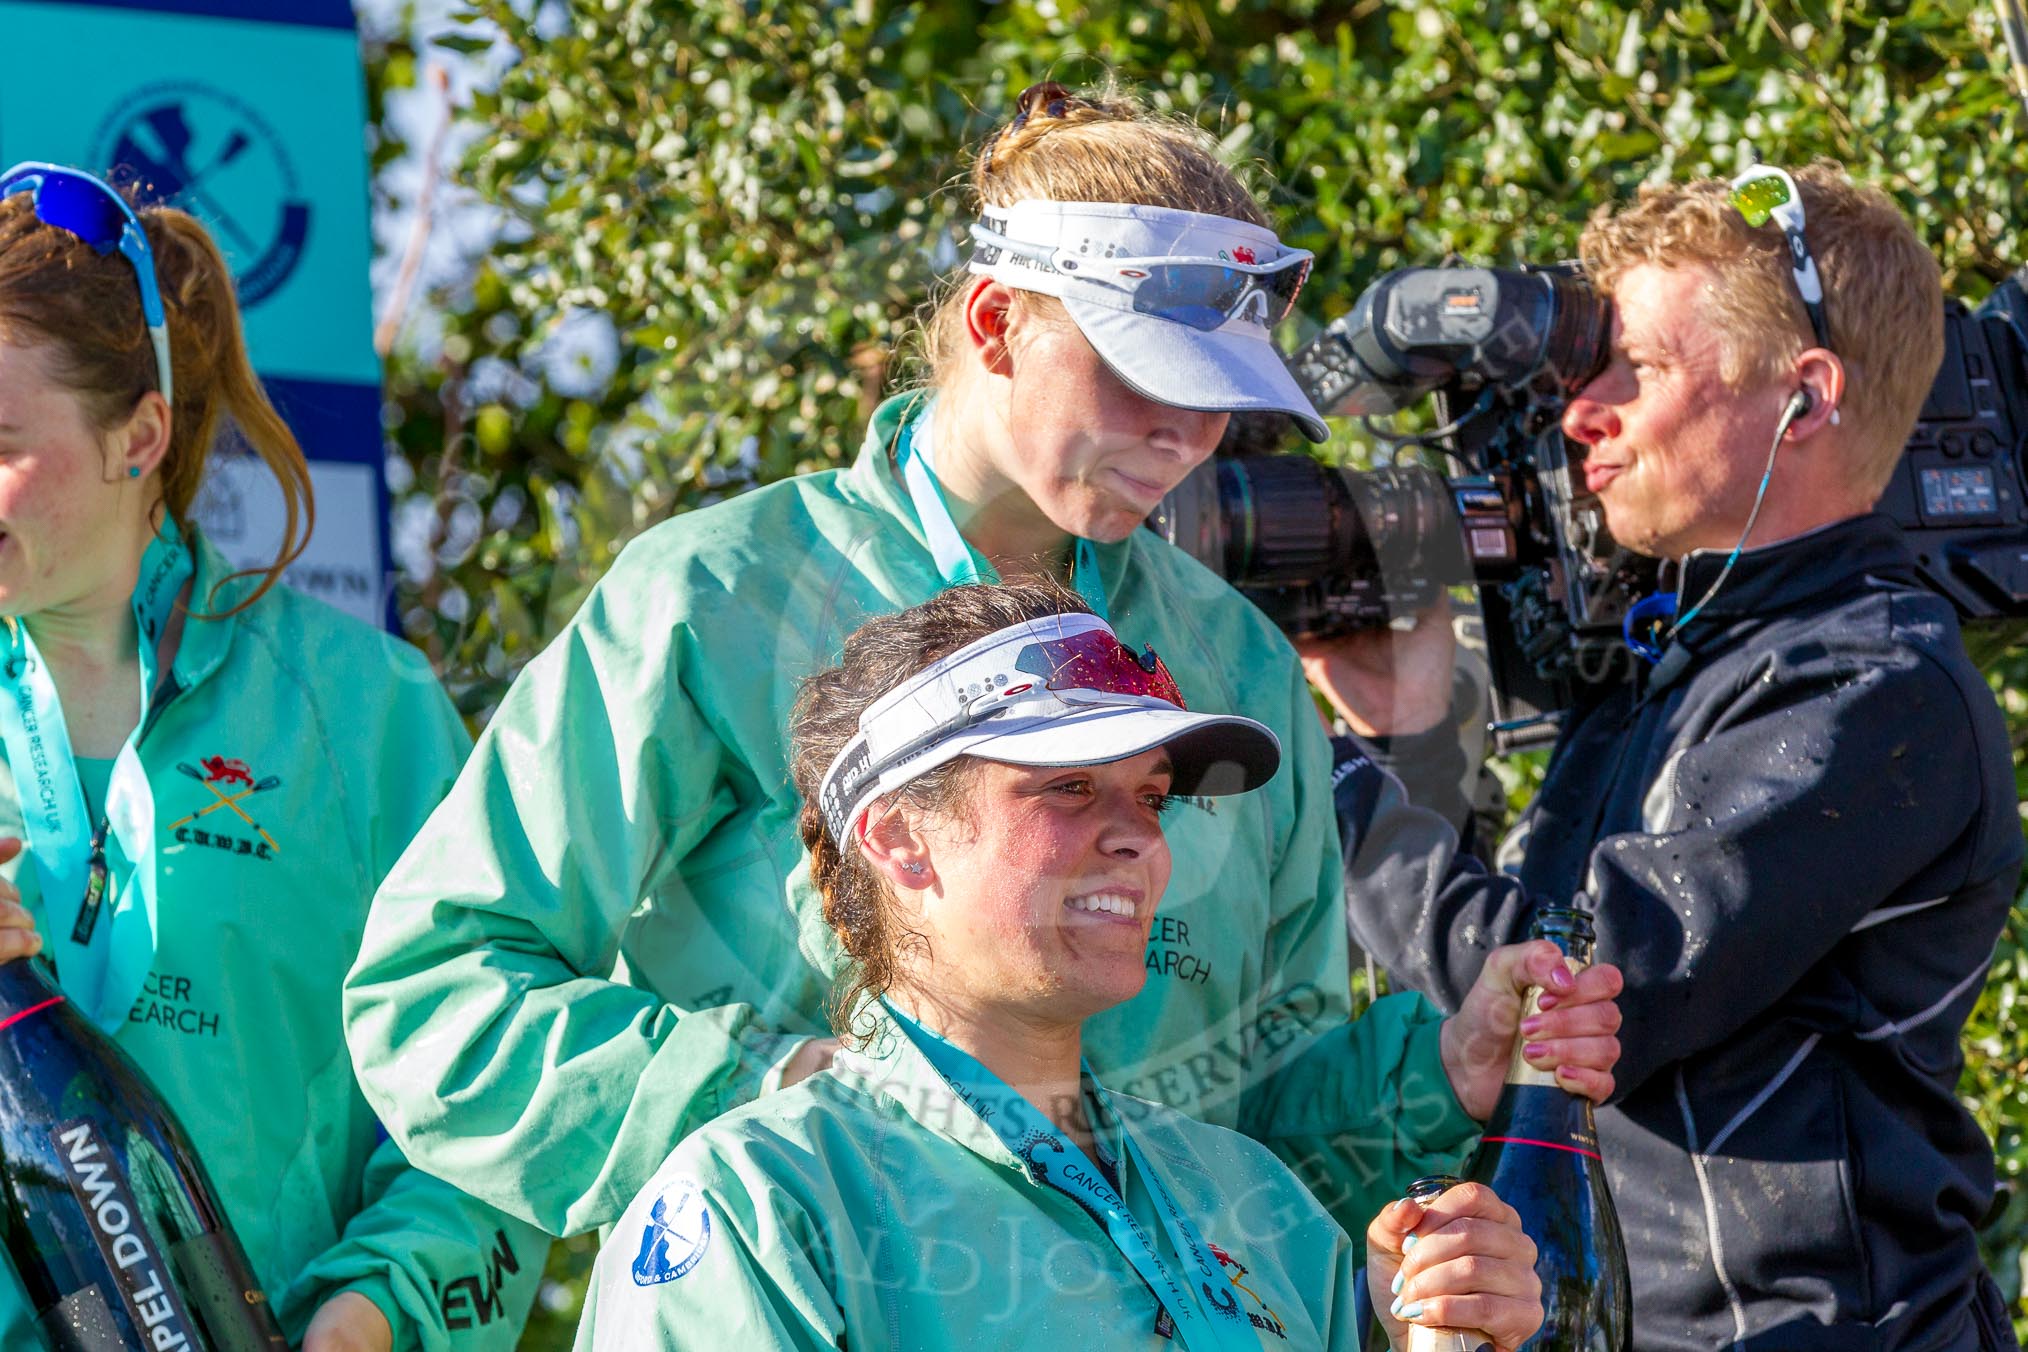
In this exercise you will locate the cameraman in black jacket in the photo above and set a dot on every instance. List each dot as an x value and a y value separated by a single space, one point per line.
1797 829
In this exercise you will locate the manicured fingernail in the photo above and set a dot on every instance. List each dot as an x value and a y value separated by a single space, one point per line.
1395 1309
1532 1050
1561 979
1408 1244
1531 1025
1412 1312
1547 1002
1396 1288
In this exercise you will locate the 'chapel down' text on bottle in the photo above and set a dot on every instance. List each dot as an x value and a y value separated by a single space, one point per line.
106 1215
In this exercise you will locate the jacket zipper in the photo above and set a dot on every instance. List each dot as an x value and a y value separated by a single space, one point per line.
96 871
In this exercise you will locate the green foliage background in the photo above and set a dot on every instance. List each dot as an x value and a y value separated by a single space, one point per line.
758 194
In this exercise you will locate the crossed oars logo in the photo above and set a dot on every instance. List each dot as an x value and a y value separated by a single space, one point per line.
232 801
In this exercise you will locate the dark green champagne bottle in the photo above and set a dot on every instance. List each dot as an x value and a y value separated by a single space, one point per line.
1540 1154
105 1212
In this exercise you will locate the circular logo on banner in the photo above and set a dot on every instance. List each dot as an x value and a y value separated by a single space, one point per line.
202 149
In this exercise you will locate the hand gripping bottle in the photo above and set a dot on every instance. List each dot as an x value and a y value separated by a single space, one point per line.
1540 1154
1421 1339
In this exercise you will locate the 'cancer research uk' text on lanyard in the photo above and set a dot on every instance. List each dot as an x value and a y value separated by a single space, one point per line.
1204 1310
102 960
956 561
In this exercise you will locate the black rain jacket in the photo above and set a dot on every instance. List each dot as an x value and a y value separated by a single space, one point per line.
1798 833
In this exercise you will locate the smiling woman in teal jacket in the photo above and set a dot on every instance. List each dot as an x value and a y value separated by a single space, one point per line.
985 778
206 776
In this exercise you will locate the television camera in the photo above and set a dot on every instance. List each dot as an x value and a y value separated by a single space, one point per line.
1500 351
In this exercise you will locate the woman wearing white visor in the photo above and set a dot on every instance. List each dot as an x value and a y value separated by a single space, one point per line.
986 777
606 935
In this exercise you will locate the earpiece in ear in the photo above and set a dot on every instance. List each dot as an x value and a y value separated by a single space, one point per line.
1801 402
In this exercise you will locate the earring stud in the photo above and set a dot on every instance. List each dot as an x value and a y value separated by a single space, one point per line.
912 868
133 471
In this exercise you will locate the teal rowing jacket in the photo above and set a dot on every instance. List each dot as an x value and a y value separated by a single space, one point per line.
605 936
870 1207
262 896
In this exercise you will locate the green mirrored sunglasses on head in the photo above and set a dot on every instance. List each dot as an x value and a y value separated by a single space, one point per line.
1765 193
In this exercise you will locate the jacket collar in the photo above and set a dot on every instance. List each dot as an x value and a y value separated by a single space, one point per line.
889 1066
874 480
206 642
1832 559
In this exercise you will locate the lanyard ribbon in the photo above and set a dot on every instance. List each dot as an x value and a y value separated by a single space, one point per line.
103 959
959 564
1206 1313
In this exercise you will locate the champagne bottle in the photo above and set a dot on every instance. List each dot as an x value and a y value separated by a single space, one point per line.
105 1211
1540 1154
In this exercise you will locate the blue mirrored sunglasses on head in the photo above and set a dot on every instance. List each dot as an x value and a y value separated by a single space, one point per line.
91 209
1765 193
1201 292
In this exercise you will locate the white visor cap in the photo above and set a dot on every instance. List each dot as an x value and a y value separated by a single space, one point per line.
1035 694
1235 368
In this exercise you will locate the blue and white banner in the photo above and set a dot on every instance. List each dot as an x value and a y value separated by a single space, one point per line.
251 115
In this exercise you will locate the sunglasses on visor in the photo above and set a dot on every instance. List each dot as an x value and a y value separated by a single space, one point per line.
1098 662
1765 193
94 211
1090 663
1202 293
1079 668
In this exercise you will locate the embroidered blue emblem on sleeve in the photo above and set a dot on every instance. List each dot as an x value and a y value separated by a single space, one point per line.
676 1236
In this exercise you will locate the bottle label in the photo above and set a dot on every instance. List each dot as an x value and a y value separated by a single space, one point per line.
1518 1069
100 1186
82 1322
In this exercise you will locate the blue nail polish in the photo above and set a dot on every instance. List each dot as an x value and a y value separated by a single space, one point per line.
1396 1288
1407 1245
1395 1309
1412 1312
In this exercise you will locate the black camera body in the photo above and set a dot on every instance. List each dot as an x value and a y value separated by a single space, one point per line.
1500 352
1959 490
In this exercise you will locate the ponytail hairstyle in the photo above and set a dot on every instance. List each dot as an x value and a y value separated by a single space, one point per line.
87 308
1101 145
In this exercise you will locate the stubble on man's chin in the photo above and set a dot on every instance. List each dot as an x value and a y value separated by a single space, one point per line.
1645 543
